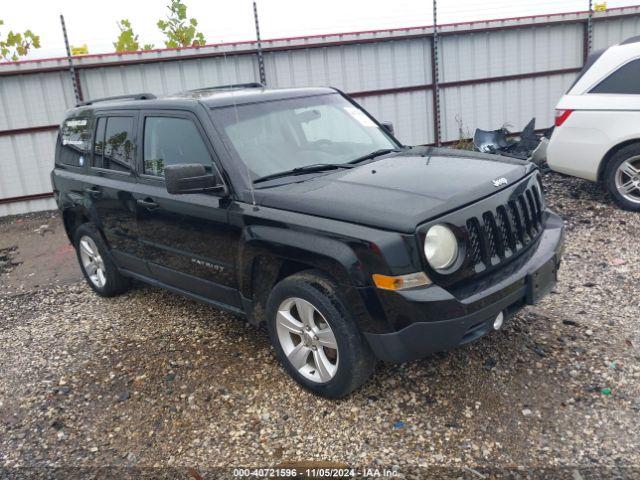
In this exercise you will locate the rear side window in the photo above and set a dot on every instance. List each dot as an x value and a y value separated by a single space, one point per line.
113 148
172 141
625 80
75 142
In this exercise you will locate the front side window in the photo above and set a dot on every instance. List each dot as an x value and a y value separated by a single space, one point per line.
114 147
276 136
625 80
172 141
75 141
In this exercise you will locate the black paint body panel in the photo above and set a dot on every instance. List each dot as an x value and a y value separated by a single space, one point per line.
229 250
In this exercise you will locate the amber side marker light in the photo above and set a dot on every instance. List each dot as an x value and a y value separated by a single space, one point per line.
401 282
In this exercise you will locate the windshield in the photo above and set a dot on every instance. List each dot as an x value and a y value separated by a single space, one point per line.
276 136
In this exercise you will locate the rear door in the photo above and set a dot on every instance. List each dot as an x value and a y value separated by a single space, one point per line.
188 242
111 183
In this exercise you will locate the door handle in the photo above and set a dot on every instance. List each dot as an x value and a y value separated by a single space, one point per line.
93 192
148 204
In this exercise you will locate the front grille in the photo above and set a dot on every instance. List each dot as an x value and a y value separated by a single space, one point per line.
498 234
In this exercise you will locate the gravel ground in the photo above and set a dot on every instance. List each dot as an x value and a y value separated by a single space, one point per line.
153 379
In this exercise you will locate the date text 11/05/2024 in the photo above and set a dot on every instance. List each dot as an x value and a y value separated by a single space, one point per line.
316 472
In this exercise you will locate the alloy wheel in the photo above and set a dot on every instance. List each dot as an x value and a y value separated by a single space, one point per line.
307 340
92 261
627 179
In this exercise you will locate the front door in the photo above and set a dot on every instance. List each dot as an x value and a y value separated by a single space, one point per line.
188 242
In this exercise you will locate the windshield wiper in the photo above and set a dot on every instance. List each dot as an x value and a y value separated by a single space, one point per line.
316 167
376 153
320 167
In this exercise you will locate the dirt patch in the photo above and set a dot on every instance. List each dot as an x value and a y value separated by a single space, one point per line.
35 252
6 259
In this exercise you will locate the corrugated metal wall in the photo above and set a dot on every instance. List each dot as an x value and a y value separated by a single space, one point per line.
490 72
25 163
491 105
609 32
372 72
168 77
505 53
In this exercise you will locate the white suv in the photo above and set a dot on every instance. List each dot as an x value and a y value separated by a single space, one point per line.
597 134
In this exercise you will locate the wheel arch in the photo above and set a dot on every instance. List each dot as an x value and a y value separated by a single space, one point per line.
72 218
602 169
270 254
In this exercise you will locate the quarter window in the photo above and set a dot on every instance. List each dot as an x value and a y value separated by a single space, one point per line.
172 141
625 80
75 141
114 145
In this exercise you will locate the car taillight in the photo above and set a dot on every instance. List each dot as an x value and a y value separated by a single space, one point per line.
561 116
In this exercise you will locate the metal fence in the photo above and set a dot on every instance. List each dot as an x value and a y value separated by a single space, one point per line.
490 72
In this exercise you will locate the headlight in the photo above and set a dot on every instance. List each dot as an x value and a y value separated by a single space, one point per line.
440 247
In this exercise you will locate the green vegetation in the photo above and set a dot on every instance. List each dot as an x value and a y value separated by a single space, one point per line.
178 30
17 45
127 40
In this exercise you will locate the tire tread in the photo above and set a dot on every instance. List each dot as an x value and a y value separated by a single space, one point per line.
116 282
361 360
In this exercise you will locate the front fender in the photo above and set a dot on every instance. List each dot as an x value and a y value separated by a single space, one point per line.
268 247
349 253
332 256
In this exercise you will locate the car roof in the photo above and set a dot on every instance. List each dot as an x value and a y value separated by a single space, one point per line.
212 97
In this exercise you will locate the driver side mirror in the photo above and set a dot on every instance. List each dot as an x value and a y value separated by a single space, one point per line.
191 178
388 126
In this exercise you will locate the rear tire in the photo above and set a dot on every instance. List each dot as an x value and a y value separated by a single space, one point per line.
96 264
306 318
622 177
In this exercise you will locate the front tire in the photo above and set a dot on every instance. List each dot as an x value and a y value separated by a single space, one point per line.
622 177
98 269
315 337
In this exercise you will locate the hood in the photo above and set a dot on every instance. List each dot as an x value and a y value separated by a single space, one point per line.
400 192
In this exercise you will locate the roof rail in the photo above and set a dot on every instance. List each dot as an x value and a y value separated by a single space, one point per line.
135 96
233 85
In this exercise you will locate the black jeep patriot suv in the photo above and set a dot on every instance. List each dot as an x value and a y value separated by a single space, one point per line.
295 207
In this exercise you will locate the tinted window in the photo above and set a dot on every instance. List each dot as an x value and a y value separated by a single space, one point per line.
75 141
625 80
171 141
114 144
98 146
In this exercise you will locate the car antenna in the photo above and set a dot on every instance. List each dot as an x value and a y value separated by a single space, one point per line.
235 109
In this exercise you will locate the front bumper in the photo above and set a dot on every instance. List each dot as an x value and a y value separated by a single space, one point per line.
463 316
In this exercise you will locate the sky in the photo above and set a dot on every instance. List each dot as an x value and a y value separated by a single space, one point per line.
94 22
